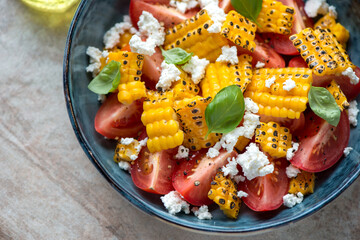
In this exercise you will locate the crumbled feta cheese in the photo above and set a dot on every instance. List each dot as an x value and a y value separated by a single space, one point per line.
174 203
242 194
183 5
217 15
142 47
229 54
291 200
127 141
214 151
270 81
204 3
124 165
141 144
251 106
230 168
169 74
347 151
353 112
112 36
196 67
254 162
183 152
289 84
292 171
202 213
95 55
315 7
332 11
259 64
239 178
349 72
291 151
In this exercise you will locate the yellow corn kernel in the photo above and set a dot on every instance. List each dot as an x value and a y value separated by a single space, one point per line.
185 87
338 94
154 115
304 182
125 152
131 91
340 32
157 144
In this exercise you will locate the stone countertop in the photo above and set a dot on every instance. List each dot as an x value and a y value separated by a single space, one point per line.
49 188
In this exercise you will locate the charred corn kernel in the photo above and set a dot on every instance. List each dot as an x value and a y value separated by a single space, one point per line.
191 114
321 51
242 143
304 182
124 40
273 139
224 193
239 30
275 17
125 152
161 122
220 75
275 100
185 87
339 96
192 36
131 91
340 32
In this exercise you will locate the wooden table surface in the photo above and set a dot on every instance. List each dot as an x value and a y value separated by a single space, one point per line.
48 187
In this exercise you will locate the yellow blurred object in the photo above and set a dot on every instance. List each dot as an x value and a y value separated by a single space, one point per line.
339 96
340 32
304 182
50 5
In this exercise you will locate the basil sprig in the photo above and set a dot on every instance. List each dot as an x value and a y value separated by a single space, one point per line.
248 8
324 105
226 110
176 56
107 80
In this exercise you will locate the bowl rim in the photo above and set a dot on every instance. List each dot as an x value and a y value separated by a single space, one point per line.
137 202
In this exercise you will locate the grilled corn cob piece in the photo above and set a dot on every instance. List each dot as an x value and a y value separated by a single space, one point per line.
161 122
239 30
224 193
185 87
321 51
304 182
125 152
242 143
338 94
340 32
191 114
275 101
273 139
131 91
275 17
220 75
192 36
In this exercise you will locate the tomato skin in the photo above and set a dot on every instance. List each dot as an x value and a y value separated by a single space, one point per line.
298 62
226 5
198 169
152 69
321 145
293 124
116 120
281 43
272 191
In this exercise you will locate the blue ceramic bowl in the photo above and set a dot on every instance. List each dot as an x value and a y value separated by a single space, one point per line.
92 19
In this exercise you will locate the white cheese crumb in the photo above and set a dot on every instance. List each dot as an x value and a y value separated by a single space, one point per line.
259 64
315 7
141 144
270 81
291 200
229 54
242 194
124 165
127 141
202 213
353 112
332 11
169 74
196 67
214 151
292 171
174 203
239 178
142 47
289 84
217 15
183 5
112 36
230 168
95 55
204 3
349 72
183 152
254 162
347 151
291 151
251 106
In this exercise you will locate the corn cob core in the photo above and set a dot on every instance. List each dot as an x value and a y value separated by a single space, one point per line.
192 36
191 114
275 101
161 122
340 32
304 182
220 75
273 139
321 51
275 17
338 94
239 30
224 193
185 87
124 152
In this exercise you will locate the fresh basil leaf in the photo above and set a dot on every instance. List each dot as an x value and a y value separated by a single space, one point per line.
107 80
225 111
248 8
324 105
176 56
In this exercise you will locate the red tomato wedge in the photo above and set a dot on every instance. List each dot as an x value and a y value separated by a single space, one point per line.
152 69
266 193
193 177
152 172
321 145
293 124
115 119
226 5
298 62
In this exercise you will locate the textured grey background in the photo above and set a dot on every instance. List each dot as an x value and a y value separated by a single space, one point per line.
48 187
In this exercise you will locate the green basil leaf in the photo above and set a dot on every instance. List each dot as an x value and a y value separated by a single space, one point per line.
324 105
107 80
176 56
248 8
225 111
